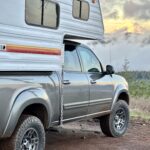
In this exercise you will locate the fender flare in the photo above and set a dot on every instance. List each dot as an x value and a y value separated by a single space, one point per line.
23 100
120 89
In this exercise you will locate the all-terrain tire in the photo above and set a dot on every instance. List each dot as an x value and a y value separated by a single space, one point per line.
112 125
28 126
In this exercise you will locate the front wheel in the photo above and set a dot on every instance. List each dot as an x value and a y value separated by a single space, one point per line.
29 135
116 124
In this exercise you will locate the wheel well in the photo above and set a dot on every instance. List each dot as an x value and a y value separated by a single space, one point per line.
124 96
39 111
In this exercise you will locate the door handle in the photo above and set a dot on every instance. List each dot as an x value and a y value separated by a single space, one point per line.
93 82
66 82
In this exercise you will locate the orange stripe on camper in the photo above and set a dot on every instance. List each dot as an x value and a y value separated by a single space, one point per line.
32 50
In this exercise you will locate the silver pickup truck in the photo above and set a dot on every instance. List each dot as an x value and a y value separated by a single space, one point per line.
31 102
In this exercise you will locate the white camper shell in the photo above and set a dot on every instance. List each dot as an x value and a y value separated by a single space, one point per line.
32 31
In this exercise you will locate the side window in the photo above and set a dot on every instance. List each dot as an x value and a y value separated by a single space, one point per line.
42 13
50 15
89 60
76 8
33 12
81 9
71 59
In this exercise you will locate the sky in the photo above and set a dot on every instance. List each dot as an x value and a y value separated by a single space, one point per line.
130 15
127 34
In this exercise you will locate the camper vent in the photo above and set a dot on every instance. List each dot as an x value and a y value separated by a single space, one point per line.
2 47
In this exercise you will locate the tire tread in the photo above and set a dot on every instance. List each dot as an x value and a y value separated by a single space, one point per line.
25 120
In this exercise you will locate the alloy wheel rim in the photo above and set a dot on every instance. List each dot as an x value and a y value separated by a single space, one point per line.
120 119
30 140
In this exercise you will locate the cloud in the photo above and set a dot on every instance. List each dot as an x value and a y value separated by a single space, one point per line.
132 15
113 15
112 8
137 9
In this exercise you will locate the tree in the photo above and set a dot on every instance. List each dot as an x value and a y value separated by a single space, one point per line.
126 73
126 65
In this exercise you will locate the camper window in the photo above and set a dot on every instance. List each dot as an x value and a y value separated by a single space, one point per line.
42 13
81 9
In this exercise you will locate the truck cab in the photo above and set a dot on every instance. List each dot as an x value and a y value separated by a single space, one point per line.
87 90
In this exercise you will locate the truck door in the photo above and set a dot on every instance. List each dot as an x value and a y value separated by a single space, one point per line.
101 87
75 86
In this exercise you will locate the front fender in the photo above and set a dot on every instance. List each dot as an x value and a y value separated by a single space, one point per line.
119 89
22 101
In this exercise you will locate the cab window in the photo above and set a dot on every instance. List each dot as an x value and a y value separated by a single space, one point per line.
71 59
89 60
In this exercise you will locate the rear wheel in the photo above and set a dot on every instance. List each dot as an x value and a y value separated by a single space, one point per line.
29 135
116 124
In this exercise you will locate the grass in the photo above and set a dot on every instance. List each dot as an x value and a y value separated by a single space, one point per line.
140 108
139 83
138 114
139 88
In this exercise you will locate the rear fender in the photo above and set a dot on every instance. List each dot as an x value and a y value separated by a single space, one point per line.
22 101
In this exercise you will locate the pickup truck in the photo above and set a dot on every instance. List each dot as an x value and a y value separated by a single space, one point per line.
31 102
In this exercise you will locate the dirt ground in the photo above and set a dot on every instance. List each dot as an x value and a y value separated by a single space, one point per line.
86 135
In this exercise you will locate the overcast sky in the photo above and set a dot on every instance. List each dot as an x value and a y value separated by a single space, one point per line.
134 15
127 28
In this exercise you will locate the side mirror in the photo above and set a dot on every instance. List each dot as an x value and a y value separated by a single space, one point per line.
110 69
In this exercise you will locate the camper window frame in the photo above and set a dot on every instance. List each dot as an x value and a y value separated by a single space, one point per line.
80 8
42 26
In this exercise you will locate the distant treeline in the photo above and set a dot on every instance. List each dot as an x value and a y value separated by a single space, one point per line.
139 83
136 75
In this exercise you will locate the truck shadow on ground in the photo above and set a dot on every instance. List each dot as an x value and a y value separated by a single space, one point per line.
137 138
69 139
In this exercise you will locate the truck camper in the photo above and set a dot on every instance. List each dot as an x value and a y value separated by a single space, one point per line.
32 32
47 80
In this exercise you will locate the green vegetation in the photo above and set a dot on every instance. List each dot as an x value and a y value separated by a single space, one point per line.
140 114
139 83
139 87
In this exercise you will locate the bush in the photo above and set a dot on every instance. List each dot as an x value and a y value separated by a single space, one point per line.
139 83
